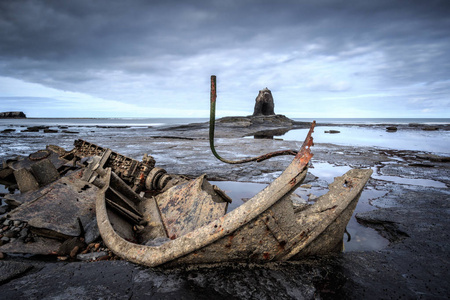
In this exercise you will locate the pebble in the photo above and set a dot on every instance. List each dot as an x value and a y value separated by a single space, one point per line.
2 256
91 256
6 223
10 234
74 251
5 239
24 233
312 197
17 223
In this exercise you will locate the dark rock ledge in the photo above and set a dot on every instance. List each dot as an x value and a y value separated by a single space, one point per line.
12 115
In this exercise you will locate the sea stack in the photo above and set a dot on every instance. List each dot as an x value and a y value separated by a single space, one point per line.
264 105
12 115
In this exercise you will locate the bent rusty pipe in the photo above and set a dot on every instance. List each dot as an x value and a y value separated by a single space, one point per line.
212 124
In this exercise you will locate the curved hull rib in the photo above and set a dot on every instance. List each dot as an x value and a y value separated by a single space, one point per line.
265 228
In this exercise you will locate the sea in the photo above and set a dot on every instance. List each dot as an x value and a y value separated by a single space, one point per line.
372 134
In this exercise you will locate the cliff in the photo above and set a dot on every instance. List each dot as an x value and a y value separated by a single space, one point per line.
12 115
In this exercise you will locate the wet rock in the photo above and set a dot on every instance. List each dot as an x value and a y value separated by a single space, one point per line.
35 128
69 131
422 165
69 245
430 128
119 279
8 130
433 157
10 270
50 131
91 232
91 256
391 129
37 245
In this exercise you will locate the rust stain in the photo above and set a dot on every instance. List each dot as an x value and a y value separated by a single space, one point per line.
281 245
348 183
230 240
213 89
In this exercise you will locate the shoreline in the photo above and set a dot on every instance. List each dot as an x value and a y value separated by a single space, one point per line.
414 218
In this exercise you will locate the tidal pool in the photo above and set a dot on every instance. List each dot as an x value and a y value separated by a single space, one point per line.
404 139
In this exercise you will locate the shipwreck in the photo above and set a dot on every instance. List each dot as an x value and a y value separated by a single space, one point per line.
69 199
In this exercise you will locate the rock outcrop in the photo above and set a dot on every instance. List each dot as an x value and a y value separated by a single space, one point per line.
264 103
12 115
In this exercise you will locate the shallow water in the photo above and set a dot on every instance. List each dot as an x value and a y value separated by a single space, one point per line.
136 122
409 181
403 139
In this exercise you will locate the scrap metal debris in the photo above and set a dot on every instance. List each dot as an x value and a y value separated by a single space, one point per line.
53 211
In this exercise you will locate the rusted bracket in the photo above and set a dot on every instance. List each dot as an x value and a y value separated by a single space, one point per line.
212 123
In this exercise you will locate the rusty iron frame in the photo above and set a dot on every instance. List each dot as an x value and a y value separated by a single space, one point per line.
212 125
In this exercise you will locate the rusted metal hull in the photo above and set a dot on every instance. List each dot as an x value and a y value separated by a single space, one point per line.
265 228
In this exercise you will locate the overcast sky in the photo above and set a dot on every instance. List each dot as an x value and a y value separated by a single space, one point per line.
320 58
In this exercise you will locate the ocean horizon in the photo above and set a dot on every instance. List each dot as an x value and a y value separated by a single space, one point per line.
129 121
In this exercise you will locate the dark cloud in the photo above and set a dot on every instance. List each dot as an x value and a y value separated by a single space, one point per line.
85 45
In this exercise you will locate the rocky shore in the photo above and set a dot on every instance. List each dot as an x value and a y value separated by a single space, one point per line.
406 208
